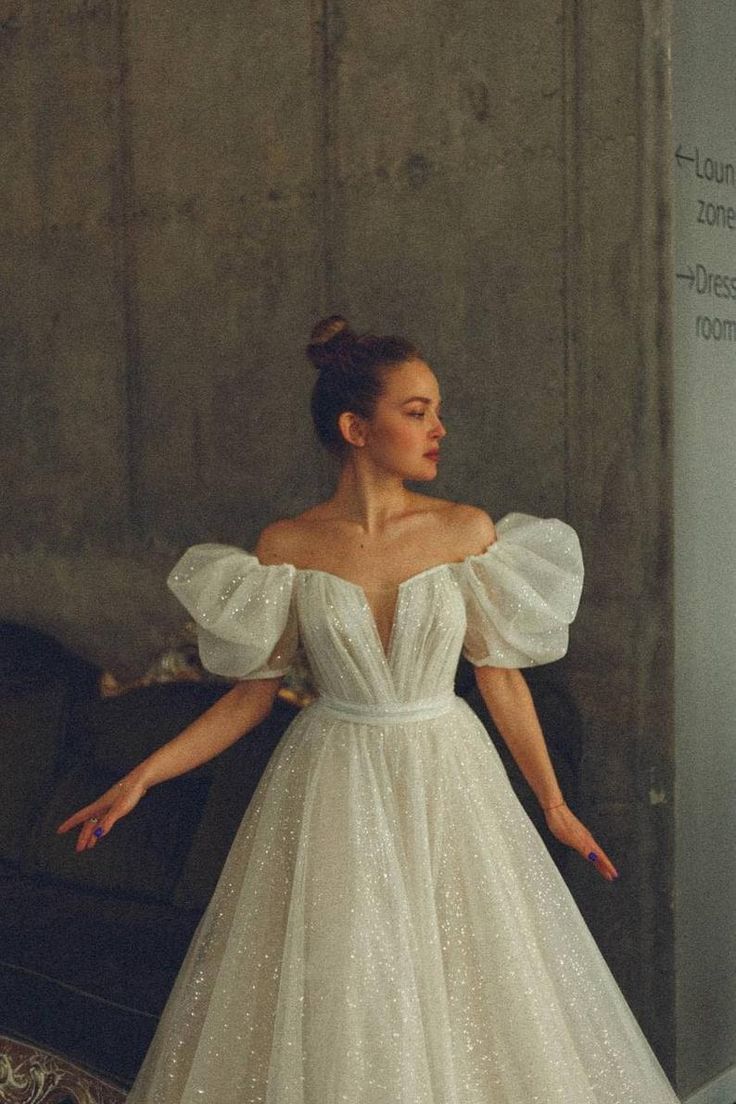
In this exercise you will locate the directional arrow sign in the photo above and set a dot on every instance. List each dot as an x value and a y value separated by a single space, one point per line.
682 156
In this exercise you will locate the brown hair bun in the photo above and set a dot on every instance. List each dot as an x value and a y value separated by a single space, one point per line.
352 370
330 343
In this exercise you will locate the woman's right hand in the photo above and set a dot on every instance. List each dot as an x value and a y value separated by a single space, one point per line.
100 816
565 826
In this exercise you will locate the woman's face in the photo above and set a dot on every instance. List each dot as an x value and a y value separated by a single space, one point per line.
404 434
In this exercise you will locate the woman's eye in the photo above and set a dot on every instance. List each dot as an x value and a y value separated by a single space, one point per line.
416 413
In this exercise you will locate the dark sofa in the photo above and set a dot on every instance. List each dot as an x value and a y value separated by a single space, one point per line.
90 944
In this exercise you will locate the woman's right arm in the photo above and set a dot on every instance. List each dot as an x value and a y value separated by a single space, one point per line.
238 711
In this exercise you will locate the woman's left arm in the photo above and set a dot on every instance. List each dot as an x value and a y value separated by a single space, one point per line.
510 704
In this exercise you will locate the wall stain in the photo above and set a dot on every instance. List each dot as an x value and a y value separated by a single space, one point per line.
621 277
331 24
191 208
196 447
479 99
9 28
330 28
418 170
124 208
92 10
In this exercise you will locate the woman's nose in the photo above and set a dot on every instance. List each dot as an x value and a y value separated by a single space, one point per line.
438 429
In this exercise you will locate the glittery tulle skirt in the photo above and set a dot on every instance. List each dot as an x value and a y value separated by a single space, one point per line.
388 928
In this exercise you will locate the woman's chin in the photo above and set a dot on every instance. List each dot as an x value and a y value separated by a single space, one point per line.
424 476
421 473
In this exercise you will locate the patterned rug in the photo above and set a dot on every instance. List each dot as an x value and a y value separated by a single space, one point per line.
32 1076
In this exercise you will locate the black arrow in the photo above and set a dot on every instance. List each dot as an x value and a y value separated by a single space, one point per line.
689 275
682 156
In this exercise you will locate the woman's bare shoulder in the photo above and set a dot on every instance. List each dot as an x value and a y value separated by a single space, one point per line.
274 542
283 541
471 527
474 528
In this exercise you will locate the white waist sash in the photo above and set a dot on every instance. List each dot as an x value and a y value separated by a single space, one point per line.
387 713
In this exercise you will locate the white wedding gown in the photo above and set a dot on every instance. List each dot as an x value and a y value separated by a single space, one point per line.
388 927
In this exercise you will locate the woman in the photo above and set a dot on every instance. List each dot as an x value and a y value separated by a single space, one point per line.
388 927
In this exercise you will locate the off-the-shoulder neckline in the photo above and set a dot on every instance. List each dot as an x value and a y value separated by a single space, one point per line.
409 578
501 526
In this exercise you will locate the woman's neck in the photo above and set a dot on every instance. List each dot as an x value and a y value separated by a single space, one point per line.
369 498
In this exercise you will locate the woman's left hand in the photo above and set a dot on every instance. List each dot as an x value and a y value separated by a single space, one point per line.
565 826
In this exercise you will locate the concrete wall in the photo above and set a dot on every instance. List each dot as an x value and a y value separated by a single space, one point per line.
191 188
704 84
618 486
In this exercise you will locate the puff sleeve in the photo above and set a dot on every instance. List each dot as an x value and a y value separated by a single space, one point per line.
522 593
244 612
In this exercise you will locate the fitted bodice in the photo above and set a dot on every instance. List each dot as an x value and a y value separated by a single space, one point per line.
509 606
345 653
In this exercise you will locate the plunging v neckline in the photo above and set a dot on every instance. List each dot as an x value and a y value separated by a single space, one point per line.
358 588
386 652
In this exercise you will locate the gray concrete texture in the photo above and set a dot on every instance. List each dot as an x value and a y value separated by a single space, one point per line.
189 187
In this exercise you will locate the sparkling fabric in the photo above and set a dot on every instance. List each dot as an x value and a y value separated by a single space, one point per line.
388 927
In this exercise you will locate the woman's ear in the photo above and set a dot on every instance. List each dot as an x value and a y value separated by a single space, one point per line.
352 428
